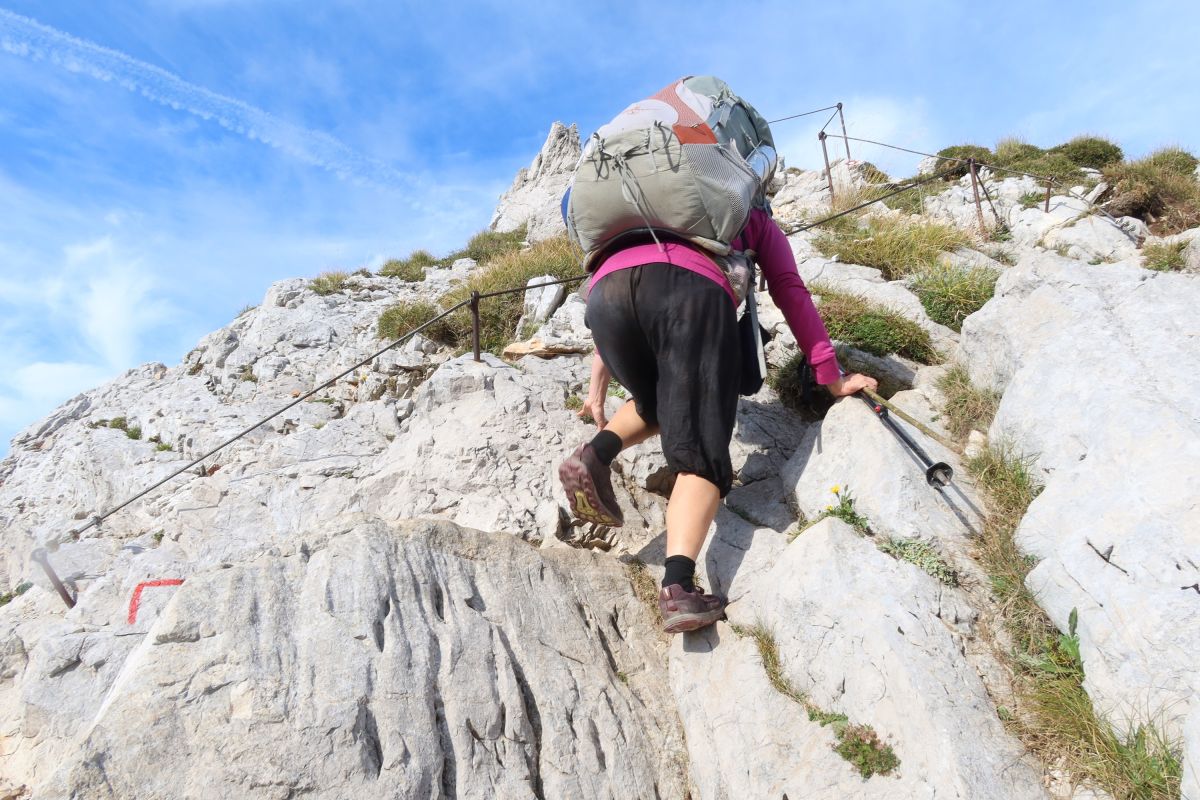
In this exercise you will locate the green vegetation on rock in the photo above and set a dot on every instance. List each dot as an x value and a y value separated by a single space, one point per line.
895 247
950 293
858 322
1160 189
860 745
1164 257
329 282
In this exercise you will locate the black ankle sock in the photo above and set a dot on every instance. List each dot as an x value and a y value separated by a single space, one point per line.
606 445
681 570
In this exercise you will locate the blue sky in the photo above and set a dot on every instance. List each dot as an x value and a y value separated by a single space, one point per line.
163 161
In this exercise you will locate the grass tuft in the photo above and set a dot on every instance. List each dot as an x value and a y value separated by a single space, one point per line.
957 169
874 329
1093 152
950 294
1160 189
411 269
967 407
401 318
798 389
896 247
329 282
1163 257
858 744
499 315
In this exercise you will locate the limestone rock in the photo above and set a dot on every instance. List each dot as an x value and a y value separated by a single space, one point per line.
535 198
541 300
409 661
884 627
1095 364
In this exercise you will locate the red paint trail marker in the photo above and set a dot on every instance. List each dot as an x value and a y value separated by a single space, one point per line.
136 600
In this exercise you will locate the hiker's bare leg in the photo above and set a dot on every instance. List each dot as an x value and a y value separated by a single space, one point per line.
690 512
630 426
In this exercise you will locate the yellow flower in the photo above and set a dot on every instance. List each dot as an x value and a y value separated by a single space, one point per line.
836 489
829 508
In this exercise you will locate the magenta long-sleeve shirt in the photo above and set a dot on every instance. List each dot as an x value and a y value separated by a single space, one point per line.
774 257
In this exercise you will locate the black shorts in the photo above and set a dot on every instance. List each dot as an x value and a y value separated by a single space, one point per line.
670 338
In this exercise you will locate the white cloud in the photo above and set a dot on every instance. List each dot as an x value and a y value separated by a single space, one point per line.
30 39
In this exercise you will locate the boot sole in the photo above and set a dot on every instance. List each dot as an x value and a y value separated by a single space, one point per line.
581 494
683 623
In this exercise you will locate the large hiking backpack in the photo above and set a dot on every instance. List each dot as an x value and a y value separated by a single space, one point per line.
689 162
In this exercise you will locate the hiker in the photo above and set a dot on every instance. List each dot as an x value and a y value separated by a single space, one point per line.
664 321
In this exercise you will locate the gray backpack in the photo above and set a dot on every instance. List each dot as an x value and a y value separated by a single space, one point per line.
688 163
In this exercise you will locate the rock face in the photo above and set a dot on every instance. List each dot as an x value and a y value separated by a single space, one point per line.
406 661
535 198
1096 364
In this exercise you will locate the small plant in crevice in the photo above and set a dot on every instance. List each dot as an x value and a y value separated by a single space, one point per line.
1032 199
920 554
967 407
645 588
21 588
573 403
844 510
247 375
859 744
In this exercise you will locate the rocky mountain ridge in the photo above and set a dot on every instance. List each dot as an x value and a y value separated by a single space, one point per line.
382 592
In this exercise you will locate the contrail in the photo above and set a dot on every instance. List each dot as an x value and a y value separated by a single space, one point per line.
30 39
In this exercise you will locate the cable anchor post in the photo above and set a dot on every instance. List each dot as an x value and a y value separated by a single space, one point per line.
475 325
975 190
828 171
1048 184
845 138
39 555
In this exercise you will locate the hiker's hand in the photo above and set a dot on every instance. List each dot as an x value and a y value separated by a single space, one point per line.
597 393
855 382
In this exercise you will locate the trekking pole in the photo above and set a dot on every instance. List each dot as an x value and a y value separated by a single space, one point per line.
936 474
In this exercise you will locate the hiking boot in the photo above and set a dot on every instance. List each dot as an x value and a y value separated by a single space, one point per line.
686 611
588 484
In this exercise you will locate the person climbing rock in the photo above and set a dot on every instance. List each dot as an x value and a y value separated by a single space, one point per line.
663 312
664 324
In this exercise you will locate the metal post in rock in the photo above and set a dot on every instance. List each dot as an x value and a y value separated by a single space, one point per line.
475 324
1047 197
40 556
975 189
828 171
845 138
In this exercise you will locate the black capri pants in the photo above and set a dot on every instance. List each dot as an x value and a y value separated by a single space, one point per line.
669 336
